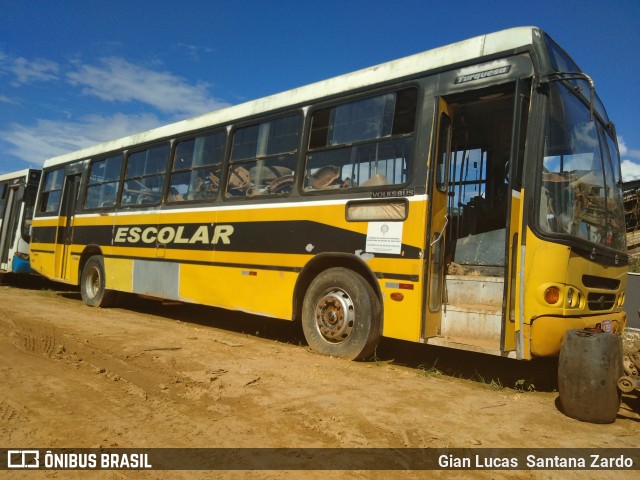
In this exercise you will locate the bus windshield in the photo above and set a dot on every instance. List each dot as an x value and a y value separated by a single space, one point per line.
580 192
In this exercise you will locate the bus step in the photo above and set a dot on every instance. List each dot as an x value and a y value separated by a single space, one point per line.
489 346
475 290
477 322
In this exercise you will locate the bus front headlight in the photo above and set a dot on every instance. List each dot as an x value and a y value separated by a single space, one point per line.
552 295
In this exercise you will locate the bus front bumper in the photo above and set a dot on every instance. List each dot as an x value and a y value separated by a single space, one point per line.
548 332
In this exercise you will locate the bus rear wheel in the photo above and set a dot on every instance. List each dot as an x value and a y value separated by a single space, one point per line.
93 284
341 315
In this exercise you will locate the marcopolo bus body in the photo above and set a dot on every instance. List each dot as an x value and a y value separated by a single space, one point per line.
17 199
467 196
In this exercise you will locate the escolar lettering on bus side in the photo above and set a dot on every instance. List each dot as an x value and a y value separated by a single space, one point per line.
204 234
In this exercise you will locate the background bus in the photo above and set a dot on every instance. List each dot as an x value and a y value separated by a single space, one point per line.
466 196
17 200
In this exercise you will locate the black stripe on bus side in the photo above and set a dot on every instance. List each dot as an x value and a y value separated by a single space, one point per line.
286 237
43 234
247 266
100 235
93 235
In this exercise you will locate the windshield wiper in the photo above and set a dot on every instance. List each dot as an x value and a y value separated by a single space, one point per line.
560 76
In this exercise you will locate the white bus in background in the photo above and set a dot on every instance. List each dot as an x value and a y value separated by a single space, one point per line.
17 198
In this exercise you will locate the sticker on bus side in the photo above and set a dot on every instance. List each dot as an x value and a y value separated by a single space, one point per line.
384 237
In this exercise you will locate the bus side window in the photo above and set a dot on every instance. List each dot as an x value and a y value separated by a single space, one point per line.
144 178
365 143
52 191
263 158
102 188
197 163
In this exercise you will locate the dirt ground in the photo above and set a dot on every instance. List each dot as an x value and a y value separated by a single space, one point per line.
153 375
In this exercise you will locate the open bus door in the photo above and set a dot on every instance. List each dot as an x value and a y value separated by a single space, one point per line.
513 323
474 274
9 225
438 221
63 262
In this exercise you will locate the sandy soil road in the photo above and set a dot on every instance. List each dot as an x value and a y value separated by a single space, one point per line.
153 375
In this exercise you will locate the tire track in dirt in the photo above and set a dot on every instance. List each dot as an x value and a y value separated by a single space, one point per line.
152 377
8 413
40 341
100 379
82 377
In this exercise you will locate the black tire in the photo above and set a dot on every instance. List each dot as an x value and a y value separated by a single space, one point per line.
589 367
93 284
341 315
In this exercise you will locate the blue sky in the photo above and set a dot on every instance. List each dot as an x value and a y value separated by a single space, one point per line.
76 73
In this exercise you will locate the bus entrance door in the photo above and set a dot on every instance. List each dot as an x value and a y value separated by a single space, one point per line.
438 221
64 263
475 218
9 225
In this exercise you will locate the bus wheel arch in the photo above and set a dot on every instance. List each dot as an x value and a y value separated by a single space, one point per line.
88 252
338 302
92 280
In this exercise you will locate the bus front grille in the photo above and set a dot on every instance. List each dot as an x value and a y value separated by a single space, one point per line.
601 301
591 281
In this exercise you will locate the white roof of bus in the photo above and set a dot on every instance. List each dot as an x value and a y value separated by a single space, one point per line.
465 50
12 175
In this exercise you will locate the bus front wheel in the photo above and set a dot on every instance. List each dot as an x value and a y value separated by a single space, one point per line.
93 284
341 315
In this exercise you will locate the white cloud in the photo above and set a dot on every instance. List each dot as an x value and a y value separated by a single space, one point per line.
630 170
634 155
194 51
630 161
5 99
626 151
49 138
116 79
28 71
622 146
112 79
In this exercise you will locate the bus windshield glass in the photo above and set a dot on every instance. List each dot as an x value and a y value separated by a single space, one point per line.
563 63
580 194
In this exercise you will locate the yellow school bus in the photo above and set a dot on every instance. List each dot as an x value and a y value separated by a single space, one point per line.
467 196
